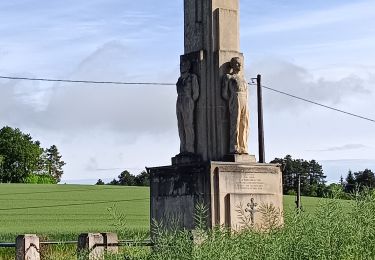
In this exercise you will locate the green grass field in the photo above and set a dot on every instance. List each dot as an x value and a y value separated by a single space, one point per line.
68 210
58 210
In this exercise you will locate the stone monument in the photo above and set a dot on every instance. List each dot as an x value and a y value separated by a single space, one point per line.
214 167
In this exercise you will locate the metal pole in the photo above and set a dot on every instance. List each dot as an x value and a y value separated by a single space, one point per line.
262 157
298 201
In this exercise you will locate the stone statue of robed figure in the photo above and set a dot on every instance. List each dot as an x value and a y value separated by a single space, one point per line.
234 90
188 94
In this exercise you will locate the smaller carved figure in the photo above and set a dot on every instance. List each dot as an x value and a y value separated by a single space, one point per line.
252 210
234 90
188 94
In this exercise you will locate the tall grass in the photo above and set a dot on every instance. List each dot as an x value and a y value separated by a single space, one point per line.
336 229
333 231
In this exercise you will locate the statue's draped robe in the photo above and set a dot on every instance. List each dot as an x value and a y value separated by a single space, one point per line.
234 89
188 93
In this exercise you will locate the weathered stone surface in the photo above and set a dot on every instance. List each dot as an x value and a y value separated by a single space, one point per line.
228 30
251 211
110 242
212 39
194 17
27 247
91 246
222 186
188 94
226 4
186 159
240 158
262 182
175 190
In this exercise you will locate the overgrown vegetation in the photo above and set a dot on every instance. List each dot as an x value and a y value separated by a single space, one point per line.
327 229
330 232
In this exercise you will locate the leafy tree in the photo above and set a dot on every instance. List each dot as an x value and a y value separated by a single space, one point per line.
365 178
54 163
100 182
114 182
289 175
350 182
126 179
143 179
20 155
2 159
311 172
342 182
23 160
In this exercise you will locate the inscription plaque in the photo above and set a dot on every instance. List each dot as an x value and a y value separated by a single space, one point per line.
250 182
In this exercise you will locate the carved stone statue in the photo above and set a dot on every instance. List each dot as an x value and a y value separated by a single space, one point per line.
234 90
188 93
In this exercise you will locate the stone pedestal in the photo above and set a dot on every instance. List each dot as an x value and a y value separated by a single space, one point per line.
185 159
236 194
176 190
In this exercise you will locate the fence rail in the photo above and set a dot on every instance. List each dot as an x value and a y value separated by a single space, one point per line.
120 243
7 244
92 245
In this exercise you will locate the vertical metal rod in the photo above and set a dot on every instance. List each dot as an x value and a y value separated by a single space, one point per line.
298 200
262 157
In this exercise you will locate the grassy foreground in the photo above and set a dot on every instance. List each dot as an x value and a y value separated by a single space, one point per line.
327 229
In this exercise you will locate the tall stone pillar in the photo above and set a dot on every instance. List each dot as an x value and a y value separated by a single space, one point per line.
213 167
211 41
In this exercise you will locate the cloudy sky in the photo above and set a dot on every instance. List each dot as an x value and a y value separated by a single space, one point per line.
320 50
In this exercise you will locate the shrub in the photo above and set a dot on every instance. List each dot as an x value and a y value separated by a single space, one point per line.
40 179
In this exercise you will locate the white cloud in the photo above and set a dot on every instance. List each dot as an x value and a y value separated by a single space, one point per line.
296 80
344 147
306 20
75 107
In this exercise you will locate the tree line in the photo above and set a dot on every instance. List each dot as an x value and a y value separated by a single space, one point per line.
127 179
313 179
23 160
358 181
311 172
